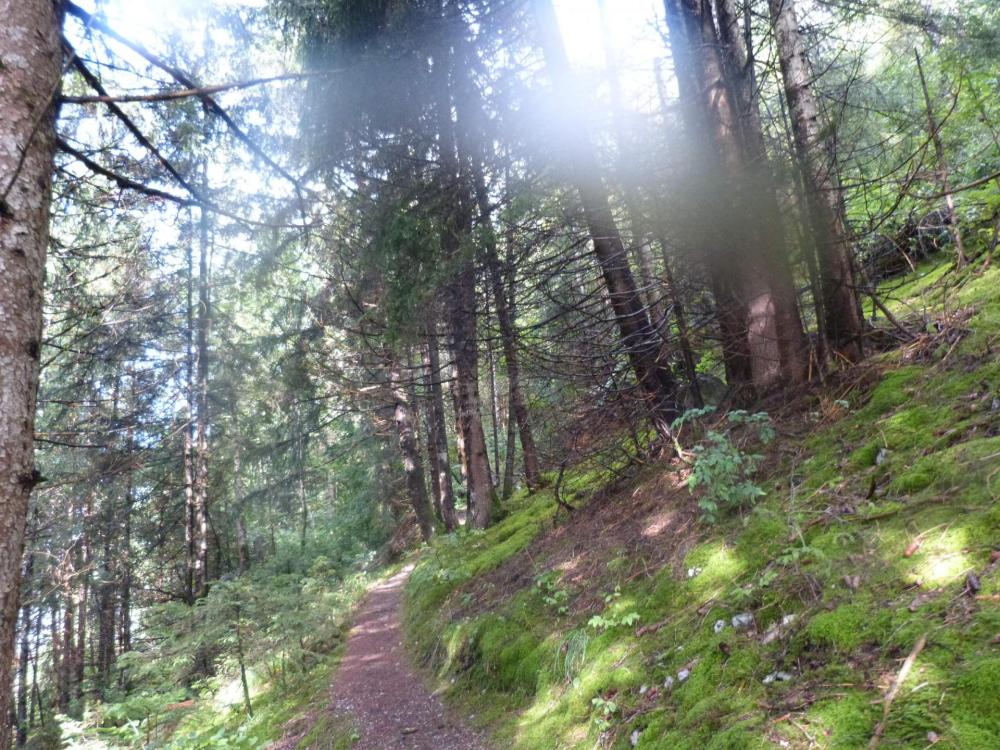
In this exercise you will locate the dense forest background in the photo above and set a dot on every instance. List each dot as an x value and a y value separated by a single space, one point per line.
329 279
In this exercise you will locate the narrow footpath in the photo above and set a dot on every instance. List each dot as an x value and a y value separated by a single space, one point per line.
376 686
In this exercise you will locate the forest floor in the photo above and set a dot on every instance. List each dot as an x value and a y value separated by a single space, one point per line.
379 694
855 604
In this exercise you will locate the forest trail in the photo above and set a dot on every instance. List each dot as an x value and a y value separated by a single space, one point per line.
376 686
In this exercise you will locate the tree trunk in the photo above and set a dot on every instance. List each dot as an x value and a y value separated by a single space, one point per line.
300 465
651 289
491 368
21 719
457 191
35 711
439 444
473 126
241 659
201 436
507 484
59 655
509 338
843 326
736 165
190 517
430 435
29 83
82 599
106 630
642 345
462 299
935 133
413 467
242 546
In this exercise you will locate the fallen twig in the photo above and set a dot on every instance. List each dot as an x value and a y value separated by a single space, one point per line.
904 671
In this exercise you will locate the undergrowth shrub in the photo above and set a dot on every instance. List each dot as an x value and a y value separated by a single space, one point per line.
722 465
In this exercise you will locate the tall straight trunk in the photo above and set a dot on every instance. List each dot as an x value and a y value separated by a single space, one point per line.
201 434
509 344
242 547
457 190
241 659
439 443
462 312
473 147
190 430
60 650
736 162
709 244
642 346
82 599
106 607
843 326
934 130
507 483
300 464
430 442
413 467
651 289
29 83
495 417
125 561
771 274
125 589
24 657
460 452
35 710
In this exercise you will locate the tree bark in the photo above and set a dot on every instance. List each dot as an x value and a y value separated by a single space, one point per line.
201 435
29 84
413 467
457 200
843 326
642 346
106 609
438 445
509 343
462 311
736 163
242 546
21 719
651 290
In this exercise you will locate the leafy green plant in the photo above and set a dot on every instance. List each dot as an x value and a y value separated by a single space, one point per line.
604 710
721 464
553 595
599 622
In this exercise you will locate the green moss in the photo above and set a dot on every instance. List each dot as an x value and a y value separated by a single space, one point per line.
509 666
912 481
764 532
846 721
848 626
894 390
914 428
510 656
715 566
974 707
865 455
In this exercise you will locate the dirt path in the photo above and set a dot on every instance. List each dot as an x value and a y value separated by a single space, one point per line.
376 686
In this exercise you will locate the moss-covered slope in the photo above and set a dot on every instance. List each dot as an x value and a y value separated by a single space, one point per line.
615 628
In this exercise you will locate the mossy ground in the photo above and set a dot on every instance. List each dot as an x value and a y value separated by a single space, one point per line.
881 500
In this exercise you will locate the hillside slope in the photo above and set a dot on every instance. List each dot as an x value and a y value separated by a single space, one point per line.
633 624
